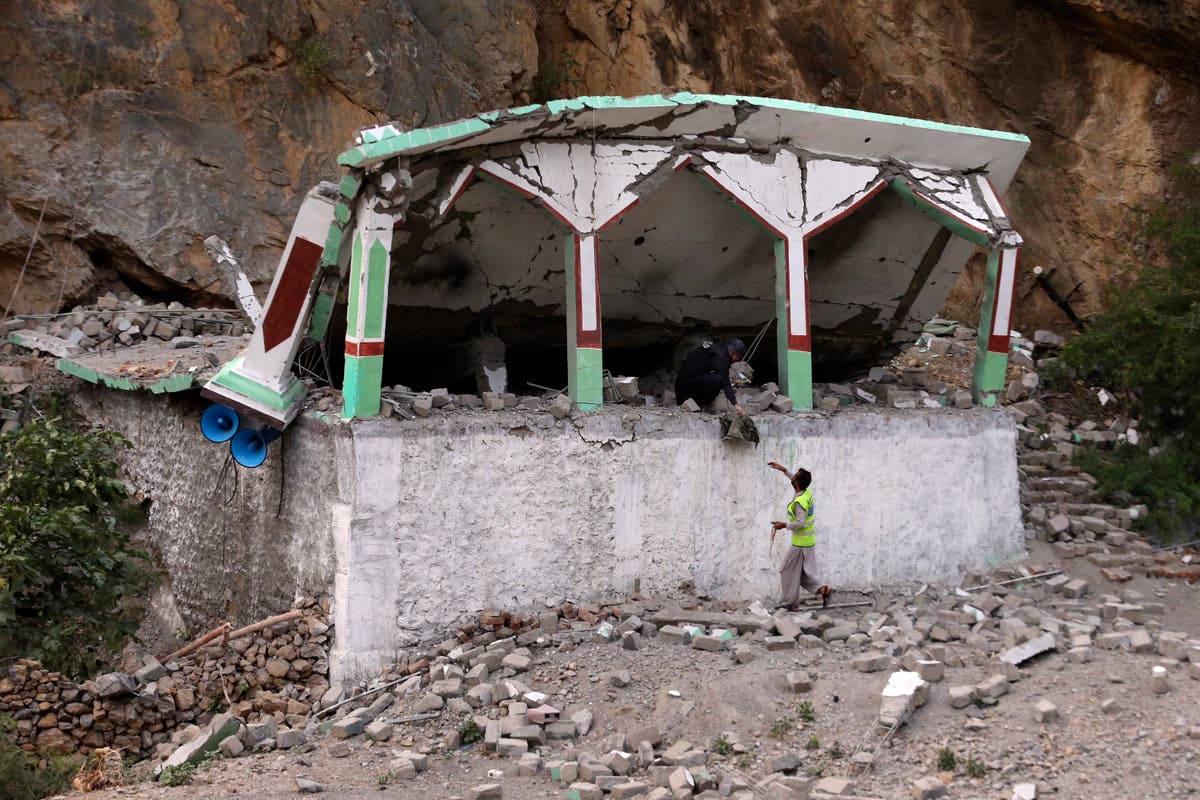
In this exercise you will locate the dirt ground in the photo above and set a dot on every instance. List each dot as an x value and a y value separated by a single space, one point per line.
1142 749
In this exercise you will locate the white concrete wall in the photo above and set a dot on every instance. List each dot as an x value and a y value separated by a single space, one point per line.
413 525
455 514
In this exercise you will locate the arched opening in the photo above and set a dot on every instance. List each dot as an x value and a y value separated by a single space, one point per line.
482 288
683 264
865 272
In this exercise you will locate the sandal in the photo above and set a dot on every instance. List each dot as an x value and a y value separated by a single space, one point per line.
825 593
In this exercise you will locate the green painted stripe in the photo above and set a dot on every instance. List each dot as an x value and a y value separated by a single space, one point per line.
175 383
350 184
333 246
356 267
253 390
991 370
341 213
322 311
781 314
951 223
361 387
797 383
991 280
588 375
377 275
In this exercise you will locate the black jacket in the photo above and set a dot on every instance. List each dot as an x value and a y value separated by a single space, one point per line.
705 360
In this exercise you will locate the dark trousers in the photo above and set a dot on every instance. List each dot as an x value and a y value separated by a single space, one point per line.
702 388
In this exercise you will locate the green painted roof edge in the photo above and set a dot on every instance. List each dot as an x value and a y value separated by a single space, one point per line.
172 383
395 145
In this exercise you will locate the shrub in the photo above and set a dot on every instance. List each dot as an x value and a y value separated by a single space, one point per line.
946 760
66 565
1145 347
23 776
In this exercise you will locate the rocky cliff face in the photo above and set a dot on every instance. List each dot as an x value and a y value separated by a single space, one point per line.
136 128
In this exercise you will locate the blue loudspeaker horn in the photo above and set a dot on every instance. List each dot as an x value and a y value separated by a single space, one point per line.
249 447
219 423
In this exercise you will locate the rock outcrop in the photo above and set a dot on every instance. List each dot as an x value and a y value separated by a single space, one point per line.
136 128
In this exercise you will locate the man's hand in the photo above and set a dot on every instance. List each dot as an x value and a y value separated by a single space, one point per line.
741 411
778 466
777 525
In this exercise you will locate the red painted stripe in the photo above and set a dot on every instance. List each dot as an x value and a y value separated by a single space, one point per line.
466 182
613 219
363 349
531 196
847 211
998 343
687 162
716 182
801 343
290 293
956 215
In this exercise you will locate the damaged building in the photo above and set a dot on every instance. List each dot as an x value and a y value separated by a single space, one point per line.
547 244
549 247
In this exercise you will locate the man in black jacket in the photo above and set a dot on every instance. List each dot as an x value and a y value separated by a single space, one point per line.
705 372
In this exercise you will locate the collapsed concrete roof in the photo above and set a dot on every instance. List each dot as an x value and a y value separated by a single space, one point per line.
587 214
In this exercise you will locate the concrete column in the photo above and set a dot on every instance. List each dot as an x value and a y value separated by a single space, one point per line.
991 360
366 313
793 343
585 369
259 383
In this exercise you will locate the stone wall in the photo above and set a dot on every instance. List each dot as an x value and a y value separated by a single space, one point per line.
277 673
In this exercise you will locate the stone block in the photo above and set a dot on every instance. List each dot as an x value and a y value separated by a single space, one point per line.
620 679
835 786
1044 711
581 790
932 671
928 788
378 731
402 769
486 791
512 747
347 727
711 644
674 634
779 643
872 662
991 688
517 662
961 696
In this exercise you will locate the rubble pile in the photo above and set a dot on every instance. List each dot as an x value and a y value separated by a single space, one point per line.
114 322
274 675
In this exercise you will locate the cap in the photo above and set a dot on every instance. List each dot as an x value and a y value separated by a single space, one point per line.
736 345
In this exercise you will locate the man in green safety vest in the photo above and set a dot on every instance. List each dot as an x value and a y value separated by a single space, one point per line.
800 567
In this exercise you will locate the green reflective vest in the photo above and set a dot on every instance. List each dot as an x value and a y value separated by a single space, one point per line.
804 537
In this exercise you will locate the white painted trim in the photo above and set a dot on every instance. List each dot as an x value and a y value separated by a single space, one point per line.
587 281
1005 285
797 286
456 187
990 198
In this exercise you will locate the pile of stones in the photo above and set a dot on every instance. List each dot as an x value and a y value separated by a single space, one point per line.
276 675
113 322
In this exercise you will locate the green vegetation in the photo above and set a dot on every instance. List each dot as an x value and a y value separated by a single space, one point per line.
806 712
469 732
946 760
1145 347
67 570
782 727
721 746
975 769
836 751
310 58
177 774
557 79
813 743
24 776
